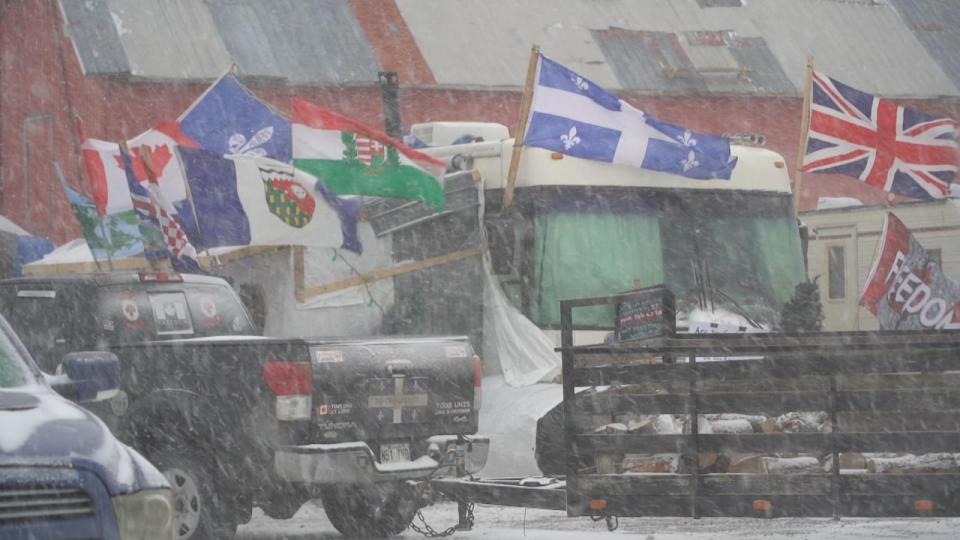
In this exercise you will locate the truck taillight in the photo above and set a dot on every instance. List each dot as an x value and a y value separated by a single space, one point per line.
292 382
477 381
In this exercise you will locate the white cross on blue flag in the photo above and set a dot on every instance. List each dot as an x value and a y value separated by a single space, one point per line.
572 115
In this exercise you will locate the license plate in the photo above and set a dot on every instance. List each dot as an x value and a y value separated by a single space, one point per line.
394 452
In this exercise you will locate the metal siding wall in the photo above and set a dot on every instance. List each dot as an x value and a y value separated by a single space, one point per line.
173 39
868 45
299 40
936 23
95 37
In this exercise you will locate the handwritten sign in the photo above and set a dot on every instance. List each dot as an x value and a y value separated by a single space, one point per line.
650 313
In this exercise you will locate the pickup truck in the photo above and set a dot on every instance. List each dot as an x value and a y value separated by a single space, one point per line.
236 420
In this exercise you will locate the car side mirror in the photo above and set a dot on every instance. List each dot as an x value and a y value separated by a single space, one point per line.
88 376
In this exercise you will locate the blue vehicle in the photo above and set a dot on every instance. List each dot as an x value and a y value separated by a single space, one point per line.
62 473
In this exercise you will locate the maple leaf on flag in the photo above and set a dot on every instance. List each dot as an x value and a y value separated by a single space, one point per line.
159 156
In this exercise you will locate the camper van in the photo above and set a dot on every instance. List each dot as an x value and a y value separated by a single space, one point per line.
729 250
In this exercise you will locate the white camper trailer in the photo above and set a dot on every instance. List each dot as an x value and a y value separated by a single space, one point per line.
843 243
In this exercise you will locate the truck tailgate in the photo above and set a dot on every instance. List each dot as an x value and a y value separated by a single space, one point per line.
394 389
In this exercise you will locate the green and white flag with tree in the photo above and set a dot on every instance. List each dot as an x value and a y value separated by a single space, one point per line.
353 158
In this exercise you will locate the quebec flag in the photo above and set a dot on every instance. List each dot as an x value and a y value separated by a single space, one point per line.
572 115
229 119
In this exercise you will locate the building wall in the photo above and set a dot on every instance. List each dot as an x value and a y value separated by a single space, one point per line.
45 99
936 225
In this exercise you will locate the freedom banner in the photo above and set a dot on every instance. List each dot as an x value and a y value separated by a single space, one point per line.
907 291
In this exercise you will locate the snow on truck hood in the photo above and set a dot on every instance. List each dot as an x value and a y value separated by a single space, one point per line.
42 429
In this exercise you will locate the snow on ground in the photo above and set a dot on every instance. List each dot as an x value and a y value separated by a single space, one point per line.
509 416
494 522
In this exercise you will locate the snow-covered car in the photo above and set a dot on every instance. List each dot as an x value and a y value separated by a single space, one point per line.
62 473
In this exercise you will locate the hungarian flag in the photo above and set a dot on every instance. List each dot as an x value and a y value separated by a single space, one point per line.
353 158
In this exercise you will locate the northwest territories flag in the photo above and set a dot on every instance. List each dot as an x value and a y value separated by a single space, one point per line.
246 200
572 115
352 158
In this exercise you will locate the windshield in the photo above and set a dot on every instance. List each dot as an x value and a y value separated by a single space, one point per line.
737 251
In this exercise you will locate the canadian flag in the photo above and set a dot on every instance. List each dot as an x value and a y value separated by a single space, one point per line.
105 166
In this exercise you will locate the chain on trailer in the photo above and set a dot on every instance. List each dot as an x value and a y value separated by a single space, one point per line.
428 531
613 522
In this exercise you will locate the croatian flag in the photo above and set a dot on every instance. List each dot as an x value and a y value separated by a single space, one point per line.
572 115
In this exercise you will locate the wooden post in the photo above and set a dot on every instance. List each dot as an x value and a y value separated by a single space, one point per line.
521 127
804 129
299 274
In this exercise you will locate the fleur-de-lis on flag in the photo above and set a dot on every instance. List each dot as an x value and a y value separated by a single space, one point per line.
570 139
580 83
239 144
687 139
690 162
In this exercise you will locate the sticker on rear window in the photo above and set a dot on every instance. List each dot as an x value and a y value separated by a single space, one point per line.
456 351
130 310
170 313
326 357
208 307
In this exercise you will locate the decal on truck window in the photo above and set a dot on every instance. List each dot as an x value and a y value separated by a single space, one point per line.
170 313
326 357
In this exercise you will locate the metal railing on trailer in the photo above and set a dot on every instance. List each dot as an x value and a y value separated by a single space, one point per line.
885 392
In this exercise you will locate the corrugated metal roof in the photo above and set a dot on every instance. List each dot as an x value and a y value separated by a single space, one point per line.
318 41
173 39
94 37
300 40
936 23
865 44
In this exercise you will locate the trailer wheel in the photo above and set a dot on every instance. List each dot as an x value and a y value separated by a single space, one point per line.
377 511
199 511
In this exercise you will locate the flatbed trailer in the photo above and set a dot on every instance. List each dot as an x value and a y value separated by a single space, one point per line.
883 392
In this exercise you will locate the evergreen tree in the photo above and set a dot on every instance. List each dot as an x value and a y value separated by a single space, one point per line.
804 312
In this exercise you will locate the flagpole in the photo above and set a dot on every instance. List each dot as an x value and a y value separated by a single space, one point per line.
125 151
521 126
804 131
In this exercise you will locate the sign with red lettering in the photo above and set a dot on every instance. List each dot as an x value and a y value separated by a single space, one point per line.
907 291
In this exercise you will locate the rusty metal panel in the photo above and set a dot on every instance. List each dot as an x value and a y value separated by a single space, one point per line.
648 60
94 35
297 40
173 39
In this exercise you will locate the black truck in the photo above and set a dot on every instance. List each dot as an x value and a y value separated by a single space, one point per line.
236 420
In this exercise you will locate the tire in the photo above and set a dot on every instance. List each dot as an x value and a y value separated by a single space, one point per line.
199 512
377 511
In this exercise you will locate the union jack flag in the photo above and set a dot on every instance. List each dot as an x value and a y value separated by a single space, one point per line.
890 147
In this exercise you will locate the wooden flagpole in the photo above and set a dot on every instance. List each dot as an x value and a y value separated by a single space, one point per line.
804 131
521 127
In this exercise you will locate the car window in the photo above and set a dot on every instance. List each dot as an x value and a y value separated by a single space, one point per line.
131 314
30 314
13 371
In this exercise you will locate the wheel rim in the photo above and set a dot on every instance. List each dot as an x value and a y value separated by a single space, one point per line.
186 502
